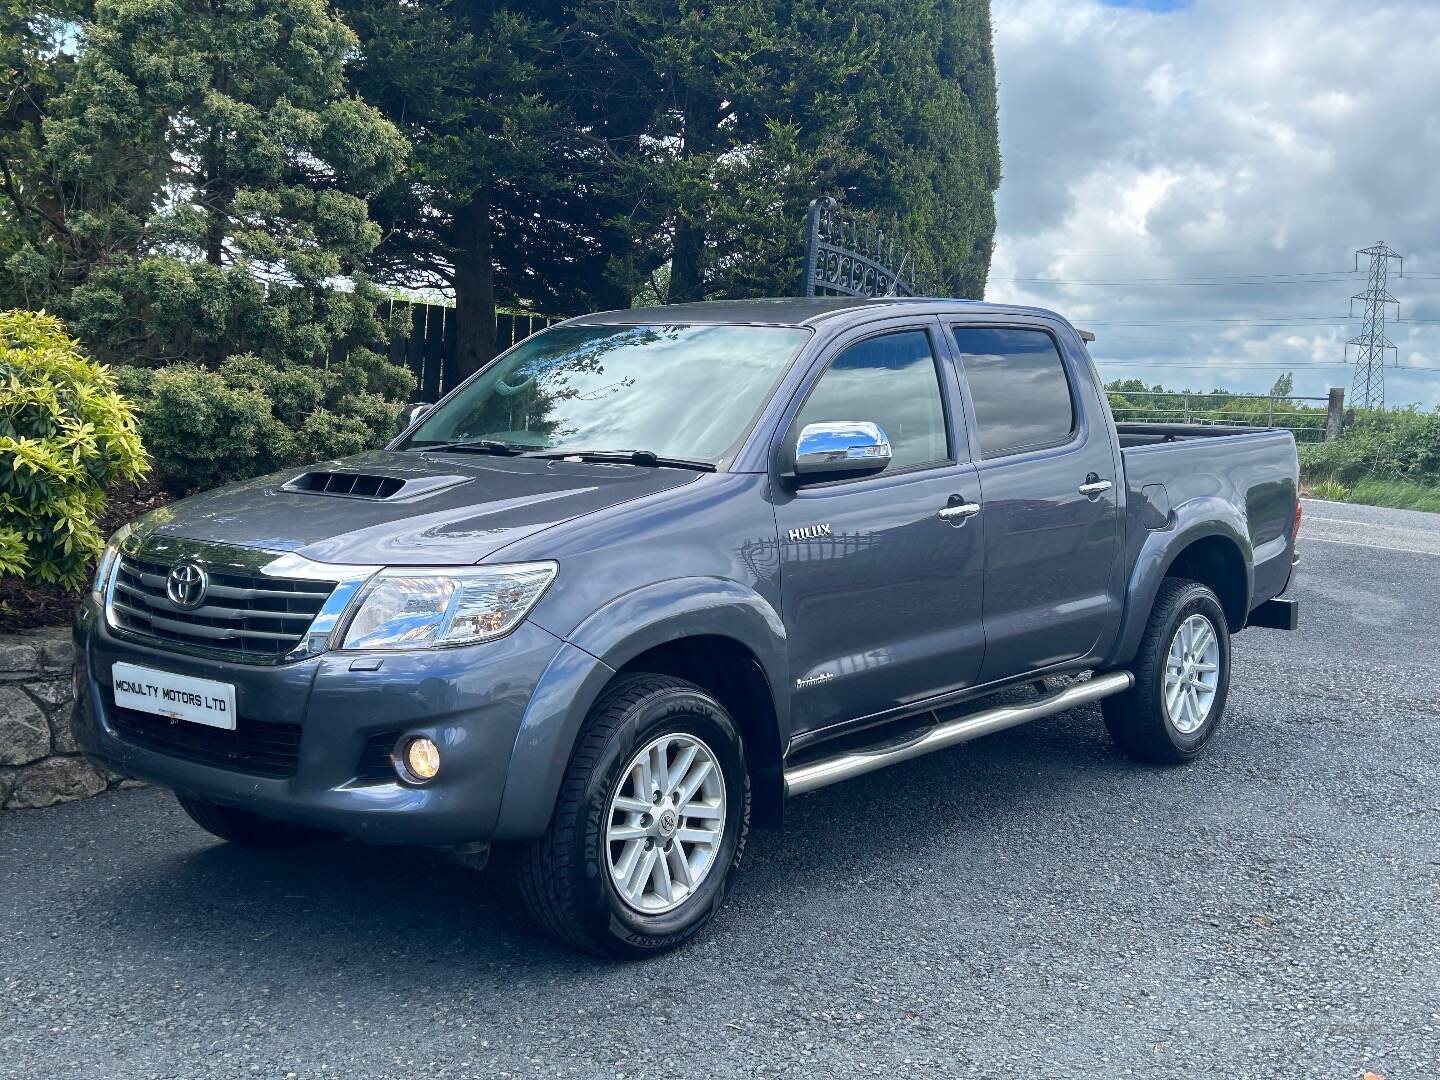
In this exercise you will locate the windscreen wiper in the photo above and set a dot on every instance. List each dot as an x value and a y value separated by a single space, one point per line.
479 446
646 458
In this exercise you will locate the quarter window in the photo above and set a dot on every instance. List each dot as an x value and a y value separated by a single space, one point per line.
1018 388
890 380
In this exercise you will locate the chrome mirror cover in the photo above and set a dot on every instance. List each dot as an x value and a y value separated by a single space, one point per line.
841 447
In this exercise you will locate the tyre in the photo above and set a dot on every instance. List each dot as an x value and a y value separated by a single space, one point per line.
243 827
1182 678
649 826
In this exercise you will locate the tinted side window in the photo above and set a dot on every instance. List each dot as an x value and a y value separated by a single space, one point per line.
890 380
1018 388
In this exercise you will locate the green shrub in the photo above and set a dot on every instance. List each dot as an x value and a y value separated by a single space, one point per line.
252 416
1386 445
65 435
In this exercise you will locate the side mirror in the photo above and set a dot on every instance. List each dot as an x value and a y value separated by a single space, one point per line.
412 412
841 448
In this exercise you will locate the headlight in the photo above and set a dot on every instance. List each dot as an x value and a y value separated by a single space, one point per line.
106 566
405 608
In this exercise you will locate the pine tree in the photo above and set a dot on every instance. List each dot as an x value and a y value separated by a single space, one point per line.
576 154
513 132
189 180
758 107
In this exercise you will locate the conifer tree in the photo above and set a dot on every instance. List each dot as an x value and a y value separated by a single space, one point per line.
188 180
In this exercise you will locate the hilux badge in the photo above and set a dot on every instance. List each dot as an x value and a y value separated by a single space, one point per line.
809 532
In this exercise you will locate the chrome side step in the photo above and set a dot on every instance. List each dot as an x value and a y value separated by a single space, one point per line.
819 774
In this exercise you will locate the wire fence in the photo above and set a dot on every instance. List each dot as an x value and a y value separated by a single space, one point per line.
1308 418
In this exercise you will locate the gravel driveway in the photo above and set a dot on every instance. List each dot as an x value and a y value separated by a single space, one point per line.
1031 905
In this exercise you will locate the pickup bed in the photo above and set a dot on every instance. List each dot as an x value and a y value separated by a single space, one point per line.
652 571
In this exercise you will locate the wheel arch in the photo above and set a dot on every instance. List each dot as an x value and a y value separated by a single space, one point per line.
727 669
1216 561
714 632
1206 541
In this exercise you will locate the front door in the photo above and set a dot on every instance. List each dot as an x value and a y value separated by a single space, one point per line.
881 594
1048 476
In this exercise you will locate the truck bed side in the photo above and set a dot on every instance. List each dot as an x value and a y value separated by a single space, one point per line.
1225 486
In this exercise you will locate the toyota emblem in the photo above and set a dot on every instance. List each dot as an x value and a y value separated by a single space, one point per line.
186 585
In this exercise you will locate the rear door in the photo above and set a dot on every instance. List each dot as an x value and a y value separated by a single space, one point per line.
881 595
1049 486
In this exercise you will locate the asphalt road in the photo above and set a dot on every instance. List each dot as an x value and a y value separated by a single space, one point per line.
1031 905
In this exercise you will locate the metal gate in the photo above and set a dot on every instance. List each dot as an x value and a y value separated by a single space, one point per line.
848 254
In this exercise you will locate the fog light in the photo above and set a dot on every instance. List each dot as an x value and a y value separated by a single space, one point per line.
422 759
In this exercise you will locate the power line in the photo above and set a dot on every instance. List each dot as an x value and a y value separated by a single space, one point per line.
1368 388
1278 320
1227 283
1182 278
1217 365
1176 254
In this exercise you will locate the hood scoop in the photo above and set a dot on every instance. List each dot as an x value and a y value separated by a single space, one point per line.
371 486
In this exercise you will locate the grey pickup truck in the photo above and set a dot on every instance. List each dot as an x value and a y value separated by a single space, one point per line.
650 572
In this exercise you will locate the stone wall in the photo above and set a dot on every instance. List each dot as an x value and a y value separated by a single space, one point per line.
39 764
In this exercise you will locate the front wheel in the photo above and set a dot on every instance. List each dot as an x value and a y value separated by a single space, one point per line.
650 824
1182 677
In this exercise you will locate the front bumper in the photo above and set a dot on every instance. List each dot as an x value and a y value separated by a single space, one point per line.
472 701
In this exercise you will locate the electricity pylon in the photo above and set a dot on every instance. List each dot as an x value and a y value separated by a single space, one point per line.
1368 389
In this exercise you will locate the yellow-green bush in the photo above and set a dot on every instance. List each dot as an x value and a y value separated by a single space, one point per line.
65 435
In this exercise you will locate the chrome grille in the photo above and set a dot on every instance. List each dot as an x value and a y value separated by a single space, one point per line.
257 616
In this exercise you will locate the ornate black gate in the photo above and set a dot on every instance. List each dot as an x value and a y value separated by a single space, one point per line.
849 255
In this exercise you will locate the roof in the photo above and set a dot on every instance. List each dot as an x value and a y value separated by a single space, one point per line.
791 310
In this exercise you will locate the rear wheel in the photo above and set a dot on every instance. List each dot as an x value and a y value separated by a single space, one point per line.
650 824
1182 678
243 827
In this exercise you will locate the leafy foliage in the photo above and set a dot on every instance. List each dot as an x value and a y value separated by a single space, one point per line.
513 142
577 154
186 181
252 416
65 435
891 106
1132 400
1397 445
202 189
1384 458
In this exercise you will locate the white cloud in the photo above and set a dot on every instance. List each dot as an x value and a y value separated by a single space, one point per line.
1231 140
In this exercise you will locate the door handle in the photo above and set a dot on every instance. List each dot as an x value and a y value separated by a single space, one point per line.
1095 486
959 511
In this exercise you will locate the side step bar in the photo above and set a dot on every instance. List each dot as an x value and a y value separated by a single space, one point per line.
819 774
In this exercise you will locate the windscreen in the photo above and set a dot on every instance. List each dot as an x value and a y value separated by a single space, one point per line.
676 391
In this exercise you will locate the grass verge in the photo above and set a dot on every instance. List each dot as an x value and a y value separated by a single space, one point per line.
1378 491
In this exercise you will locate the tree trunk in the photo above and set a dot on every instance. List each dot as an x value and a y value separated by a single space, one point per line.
216 190
474 287
686 269
686 282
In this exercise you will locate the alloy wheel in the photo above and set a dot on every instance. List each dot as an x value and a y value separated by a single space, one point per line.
1192 674
665 823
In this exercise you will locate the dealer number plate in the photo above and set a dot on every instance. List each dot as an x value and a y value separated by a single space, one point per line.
180 697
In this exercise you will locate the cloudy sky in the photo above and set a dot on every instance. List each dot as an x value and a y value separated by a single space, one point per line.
1190 180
